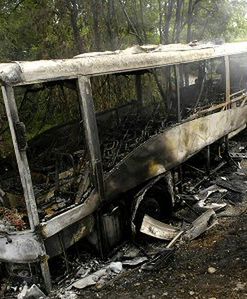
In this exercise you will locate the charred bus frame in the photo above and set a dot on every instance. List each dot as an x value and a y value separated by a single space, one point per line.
154 157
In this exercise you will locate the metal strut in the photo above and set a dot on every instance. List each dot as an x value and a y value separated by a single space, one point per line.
25 176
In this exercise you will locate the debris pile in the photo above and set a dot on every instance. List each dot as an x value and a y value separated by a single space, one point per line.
11 220
31 293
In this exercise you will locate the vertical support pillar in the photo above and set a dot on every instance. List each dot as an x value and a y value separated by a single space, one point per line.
91 132
228 85
25 175
21 157
208 162
228 95
46 272
177 75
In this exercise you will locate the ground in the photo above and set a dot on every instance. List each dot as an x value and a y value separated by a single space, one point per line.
224 247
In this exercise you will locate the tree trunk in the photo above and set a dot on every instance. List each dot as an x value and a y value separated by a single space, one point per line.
131 24
142 22
111 24
160 21
72 6
168 17
189 21
96 12
178 21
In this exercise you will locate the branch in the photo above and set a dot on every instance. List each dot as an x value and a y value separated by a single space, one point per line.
18 4
130 23
194 5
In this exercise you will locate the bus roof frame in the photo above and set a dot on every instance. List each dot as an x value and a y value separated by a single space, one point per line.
98 63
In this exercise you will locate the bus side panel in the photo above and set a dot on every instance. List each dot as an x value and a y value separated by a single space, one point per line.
167 150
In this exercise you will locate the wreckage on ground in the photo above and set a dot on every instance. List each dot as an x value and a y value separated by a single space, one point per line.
91 144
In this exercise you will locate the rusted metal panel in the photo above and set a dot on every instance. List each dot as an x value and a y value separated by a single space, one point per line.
113 62
169 149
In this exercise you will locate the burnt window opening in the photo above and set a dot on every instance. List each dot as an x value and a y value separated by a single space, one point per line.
131 108
202 85
56 147
238 72
238 79
13 213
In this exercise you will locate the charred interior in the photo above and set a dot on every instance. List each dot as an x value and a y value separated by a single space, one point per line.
56 150
130 108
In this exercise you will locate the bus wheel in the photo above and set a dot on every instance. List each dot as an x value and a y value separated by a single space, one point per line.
156 202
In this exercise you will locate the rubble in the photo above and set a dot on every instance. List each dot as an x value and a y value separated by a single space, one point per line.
131 252
175 239
11 220
211 270
159 261
164 231
135 261
240 286
203 223
31 293
207 202
115 267
99 276
233 185
90 280
157 229
202 206
67 295
203 194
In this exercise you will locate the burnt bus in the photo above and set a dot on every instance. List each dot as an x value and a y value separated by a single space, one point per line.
88 144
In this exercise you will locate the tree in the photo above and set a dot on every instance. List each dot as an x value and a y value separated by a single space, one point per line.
37 29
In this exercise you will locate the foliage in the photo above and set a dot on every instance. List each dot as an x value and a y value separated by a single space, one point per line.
42 29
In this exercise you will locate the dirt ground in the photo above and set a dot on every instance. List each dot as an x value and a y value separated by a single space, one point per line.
224 247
